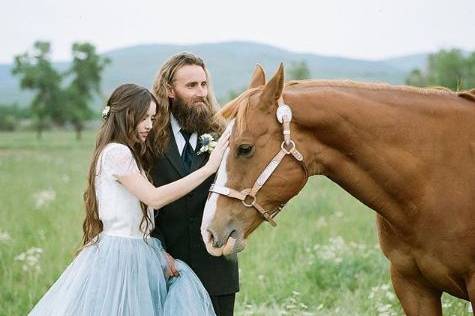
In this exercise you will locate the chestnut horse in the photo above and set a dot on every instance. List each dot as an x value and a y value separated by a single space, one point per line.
407 153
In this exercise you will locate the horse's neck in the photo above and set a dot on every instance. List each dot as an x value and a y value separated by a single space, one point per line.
370 144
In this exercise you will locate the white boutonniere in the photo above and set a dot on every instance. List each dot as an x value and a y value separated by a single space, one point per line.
207 143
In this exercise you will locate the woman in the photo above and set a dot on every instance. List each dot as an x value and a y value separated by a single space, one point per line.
120 270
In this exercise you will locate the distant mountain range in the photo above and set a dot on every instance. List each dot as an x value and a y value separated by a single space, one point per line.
230 63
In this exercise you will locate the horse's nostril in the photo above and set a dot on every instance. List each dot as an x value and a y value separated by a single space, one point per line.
219 240
211 235
212 239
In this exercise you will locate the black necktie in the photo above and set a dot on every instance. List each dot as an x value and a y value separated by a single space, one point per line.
187 154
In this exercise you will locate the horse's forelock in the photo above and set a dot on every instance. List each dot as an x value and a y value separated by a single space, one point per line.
237 108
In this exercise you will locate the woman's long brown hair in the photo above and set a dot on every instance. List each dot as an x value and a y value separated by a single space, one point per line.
128 104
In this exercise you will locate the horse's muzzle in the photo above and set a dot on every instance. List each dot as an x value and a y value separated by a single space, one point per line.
222 246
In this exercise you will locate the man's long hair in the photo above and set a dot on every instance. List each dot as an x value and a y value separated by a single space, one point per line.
159 137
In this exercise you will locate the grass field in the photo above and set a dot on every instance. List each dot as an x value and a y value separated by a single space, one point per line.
321 259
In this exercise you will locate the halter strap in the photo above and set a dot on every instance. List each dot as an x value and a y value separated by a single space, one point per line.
288 147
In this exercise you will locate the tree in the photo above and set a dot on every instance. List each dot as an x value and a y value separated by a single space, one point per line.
470 71
10 116
86 69
38 74
447 68
416 78
298 71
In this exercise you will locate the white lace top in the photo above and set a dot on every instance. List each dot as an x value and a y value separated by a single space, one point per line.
119 209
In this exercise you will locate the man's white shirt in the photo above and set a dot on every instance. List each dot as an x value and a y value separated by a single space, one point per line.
180 140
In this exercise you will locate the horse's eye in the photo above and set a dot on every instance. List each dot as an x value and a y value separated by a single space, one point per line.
245 150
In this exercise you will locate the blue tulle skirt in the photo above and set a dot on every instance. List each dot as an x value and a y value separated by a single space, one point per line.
124 276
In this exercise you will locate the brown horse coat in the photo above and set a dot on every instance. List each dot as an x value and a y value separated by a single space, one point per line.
407 153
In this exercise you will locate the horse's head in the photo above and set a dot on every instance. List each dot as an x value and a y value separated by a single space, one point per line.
244 194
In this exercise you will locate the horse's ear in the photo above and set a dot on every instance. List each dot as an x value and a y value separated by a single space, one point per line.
273 89
258 77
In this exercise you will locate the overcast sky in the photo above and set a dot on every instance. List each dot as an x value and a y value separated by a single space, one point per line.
368 29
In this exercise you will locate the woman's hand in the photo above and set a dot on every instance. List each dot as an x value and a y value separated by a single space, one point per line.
217 154
171 270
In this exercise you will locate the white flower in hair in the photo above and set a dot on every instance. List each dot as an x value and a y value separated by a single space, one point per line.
105 112
207 143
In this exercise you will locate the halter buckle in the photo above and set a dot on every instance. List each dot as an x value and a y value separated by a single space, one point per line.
250 204
285 150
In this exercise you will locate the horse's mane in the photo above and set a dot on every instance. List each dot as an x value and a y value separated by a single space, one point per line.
237 108
379 86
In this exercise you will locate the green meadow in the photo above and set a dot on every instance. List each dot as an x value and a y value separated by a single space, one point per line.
322 258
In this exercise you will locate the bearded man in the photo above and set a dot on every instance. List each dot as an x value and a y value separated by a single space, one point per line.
185 111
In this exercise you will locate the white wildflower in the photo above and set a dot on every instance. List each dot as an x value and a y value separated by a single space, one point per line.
322 222
65 178
303 306
383 308
334 251
390 296
30 259
383 298
42 198
4 236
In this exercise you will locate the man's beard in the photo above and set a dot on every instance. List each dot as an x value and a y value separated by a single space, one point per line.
195 117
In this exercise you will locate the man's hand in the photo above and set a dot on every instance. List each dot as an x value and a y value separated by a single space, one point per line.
171 270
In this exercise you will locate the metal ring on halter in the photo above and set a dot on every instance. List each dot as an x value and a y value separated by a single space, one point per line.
288 151
249 205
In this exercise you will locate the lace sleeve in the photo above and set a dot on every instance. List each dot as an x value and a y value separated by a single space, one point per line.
118 161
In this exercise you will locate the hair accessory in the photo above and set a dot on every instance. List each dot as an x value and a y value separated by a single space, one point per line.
106 112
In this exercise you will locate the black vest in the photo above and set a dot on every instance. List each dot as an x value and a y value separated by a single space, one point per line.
178 224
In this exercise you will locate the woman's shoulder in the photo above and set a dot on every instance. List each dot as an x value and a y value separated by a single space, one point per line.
116 147
116 150
114 155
